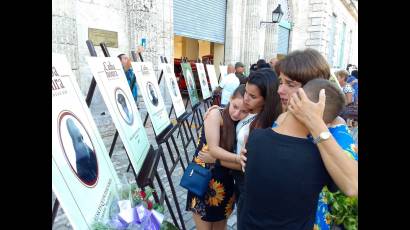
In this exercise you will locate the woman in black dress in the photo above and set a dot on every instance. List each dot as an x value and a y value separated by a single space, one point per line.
213 209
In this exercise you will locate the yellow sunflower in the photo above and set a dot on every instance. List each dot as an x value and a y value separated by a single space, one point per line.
199 161
193 202
328 218
228 208
216 193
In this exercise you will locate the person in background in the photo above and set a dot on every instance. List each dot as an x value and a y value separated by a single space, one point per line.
261 64
353 81
347 89
129 73
273 62
227 85
239 72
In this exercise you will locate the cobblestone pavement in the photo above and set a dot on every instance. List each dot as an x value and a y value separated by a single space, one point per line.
120 161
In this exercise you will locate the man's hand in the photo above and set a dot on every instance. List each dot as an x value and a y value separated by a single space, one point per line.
206 157
305 110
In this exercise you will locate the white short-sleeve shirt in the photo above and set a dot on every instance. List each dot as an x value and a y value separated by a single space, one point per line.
242 130
228 84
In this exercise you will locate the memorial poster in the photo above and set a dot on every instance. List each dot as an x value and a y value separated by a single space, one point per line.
173 89
212 76
224 71
116 93
147 82
190 83
83 177
203 81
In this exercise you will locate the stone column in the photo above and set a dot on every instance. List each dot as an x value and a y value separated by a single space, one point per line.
251 35
271 35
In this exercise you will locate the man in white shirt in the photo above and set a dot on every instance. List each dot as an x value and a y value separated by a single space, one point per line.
228 84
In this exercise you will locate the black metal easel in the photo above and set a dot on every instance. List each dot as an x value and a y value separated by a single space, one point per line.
149 167
162 138
195 109
149 182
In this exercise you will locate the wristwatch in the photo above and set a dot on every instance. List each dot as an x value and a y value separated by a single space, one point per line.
322 137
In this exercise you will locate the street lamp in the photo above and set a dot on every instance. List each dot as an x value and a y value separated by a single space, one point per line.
276 15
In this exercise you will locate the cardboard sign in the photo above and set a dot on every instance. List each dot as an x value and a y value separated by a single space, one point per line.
190 83
114 88
212 76
203 81
147 82
173 89
83 177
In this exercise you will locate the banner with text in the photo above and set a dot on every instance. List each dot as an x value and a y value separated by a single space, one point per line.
190 83
116 93
173 89
203 81
148 83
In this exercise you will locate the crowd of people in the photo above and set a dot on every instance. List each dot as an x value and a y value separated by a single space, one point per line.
276 141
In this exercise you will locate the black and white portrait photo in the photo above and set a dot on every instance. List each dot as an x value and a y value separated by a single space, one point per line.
124 106
152 94
78 148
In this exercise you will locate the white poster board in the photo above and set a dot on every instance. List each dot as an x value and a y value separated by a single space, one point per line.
224 71
212 76
190 83
116 93
203 81
83 176
173 89
147 83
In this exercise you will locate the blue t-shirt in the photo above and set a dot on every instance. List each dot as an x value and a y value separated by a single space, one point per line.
355 86
130 75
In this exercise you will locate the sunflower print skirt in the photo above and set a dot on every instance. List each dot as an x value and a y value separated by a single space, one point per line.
219 200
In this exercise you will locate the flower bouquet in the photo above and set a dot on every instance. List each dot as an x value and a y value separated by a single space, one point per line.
132 208
343 210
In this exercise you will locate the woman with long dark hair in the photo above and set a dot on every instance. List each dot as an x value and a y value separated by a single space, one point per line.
263 103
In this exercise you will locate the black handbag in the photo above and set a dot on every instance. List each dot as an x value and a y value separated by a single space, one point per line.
196 179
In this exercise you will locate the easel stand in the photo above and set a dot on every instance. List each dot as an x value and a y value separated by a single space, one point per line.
161 138
165 137
149 167
196 115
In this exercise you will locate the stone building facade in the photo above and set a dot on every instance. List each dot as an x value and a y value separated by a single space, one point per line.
330 26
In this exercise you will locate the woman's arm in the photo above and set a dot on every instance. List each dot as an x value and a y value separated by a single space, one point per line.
212 130
342 168
207 158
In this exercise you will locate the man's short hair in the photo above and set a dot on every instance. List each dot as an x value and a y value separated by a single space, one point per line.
239 64
305 65
342 74
335 99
